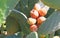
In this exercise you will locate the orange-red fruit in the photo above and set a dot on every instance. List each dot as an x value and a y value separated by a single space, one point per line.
43 11
37 6
33 28
40 20
31 21
34 13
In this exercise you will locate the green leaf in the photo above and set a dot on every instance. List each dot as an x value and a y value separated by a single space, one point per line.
51 24
47 36
32 35
52 3
5 6
21 20
12 25
9 4
25 6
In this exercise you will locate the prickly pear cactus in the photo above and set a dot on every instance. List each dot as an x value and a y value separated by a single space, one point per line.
14 15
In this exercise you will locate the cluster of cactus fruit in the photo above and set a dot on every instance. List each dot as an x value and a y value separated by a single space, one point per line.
14 25
37 16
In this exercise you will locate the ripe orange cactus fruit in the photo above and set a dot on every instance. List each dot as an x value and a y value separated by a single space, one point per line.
37 7
43 11
40 20
33 28
34 13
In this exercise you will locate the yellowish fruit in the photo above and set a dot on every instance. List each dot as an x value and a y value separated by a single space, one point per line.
31 21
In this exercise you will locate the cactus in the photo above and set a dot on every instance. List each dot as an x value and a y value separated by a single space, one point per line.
14 15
